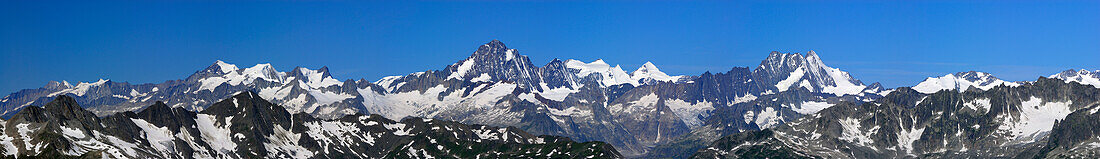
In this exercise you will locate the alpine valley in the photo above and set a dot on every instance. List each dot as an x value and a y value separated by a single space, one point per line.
497 104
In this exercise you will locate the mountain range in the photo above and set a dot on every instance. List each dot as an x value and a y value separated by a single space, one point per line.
247 126
644 113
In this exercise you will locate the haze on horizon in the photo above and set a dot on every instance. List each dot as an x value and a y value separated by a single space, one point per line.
897 43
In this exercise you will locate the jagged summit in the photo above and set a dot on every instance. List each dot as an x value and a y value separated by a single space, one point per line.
961 81
593 100
792 70
1080 76
648 73
57 85
974 75
494 47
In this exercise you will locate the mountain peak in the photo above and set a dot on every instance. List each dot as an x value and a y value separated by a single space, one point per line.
224 67
491 47
57 85
496 43
324 71
648 68
813 59
960 81
649 73
974 76
1080 76
649 64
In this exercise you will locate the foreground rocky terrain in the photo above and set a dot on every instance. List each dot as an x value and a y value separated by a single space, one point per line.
1045 118
247 126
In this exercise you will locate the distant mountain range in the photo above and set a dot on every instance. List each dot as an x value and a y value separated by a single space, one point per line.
644 113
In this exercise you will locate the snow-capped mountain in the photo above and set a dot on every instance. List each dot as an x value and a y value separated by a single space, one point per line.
788 71
961 82
1025 121
1080 76
650 74
300 90
644 112
247 126
497 86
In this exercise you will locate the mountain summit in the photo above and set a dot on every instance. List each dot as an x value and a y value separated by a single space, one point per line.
641 113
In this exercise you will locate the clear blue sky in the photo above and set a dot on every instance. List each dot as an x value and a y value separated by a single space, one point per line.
898 43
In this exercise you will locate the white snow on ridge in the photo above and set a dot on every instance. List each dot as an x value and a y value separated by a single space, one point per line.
907 136
1035 117
80 89
482 78
214 134
851 132
159 137
462 69
557 94
610 75
811 107
317 79
226 67
692 114
981 104
379 104
1082 76
650 71
284 144
247 76
955 82
767 118
326 98
791 79
842 82
263 71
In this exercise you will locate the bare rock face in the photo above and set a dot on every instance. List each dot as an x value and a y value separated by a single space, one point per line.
643 113
1031 120
247 126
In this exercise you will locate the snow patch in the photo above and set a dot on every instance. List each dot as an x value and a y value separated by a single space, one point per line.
216 135
1035 118
159 137
811 107
481 78
767 118
794 77
692 114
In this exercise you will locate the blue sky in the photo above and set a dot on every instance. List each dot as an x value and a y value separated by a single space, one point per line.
898 43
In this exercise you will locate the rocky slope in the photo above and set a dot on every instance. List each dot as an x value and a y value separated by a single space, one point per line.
643 113
961 81
1044 118
497 86
247 126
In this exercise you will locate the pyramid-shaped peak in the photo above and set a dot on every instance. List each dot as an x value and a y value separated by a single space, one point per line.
649 64
599 61
648 67
324 71
492 46
811 53
975 76
58 85
224 67
496 44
